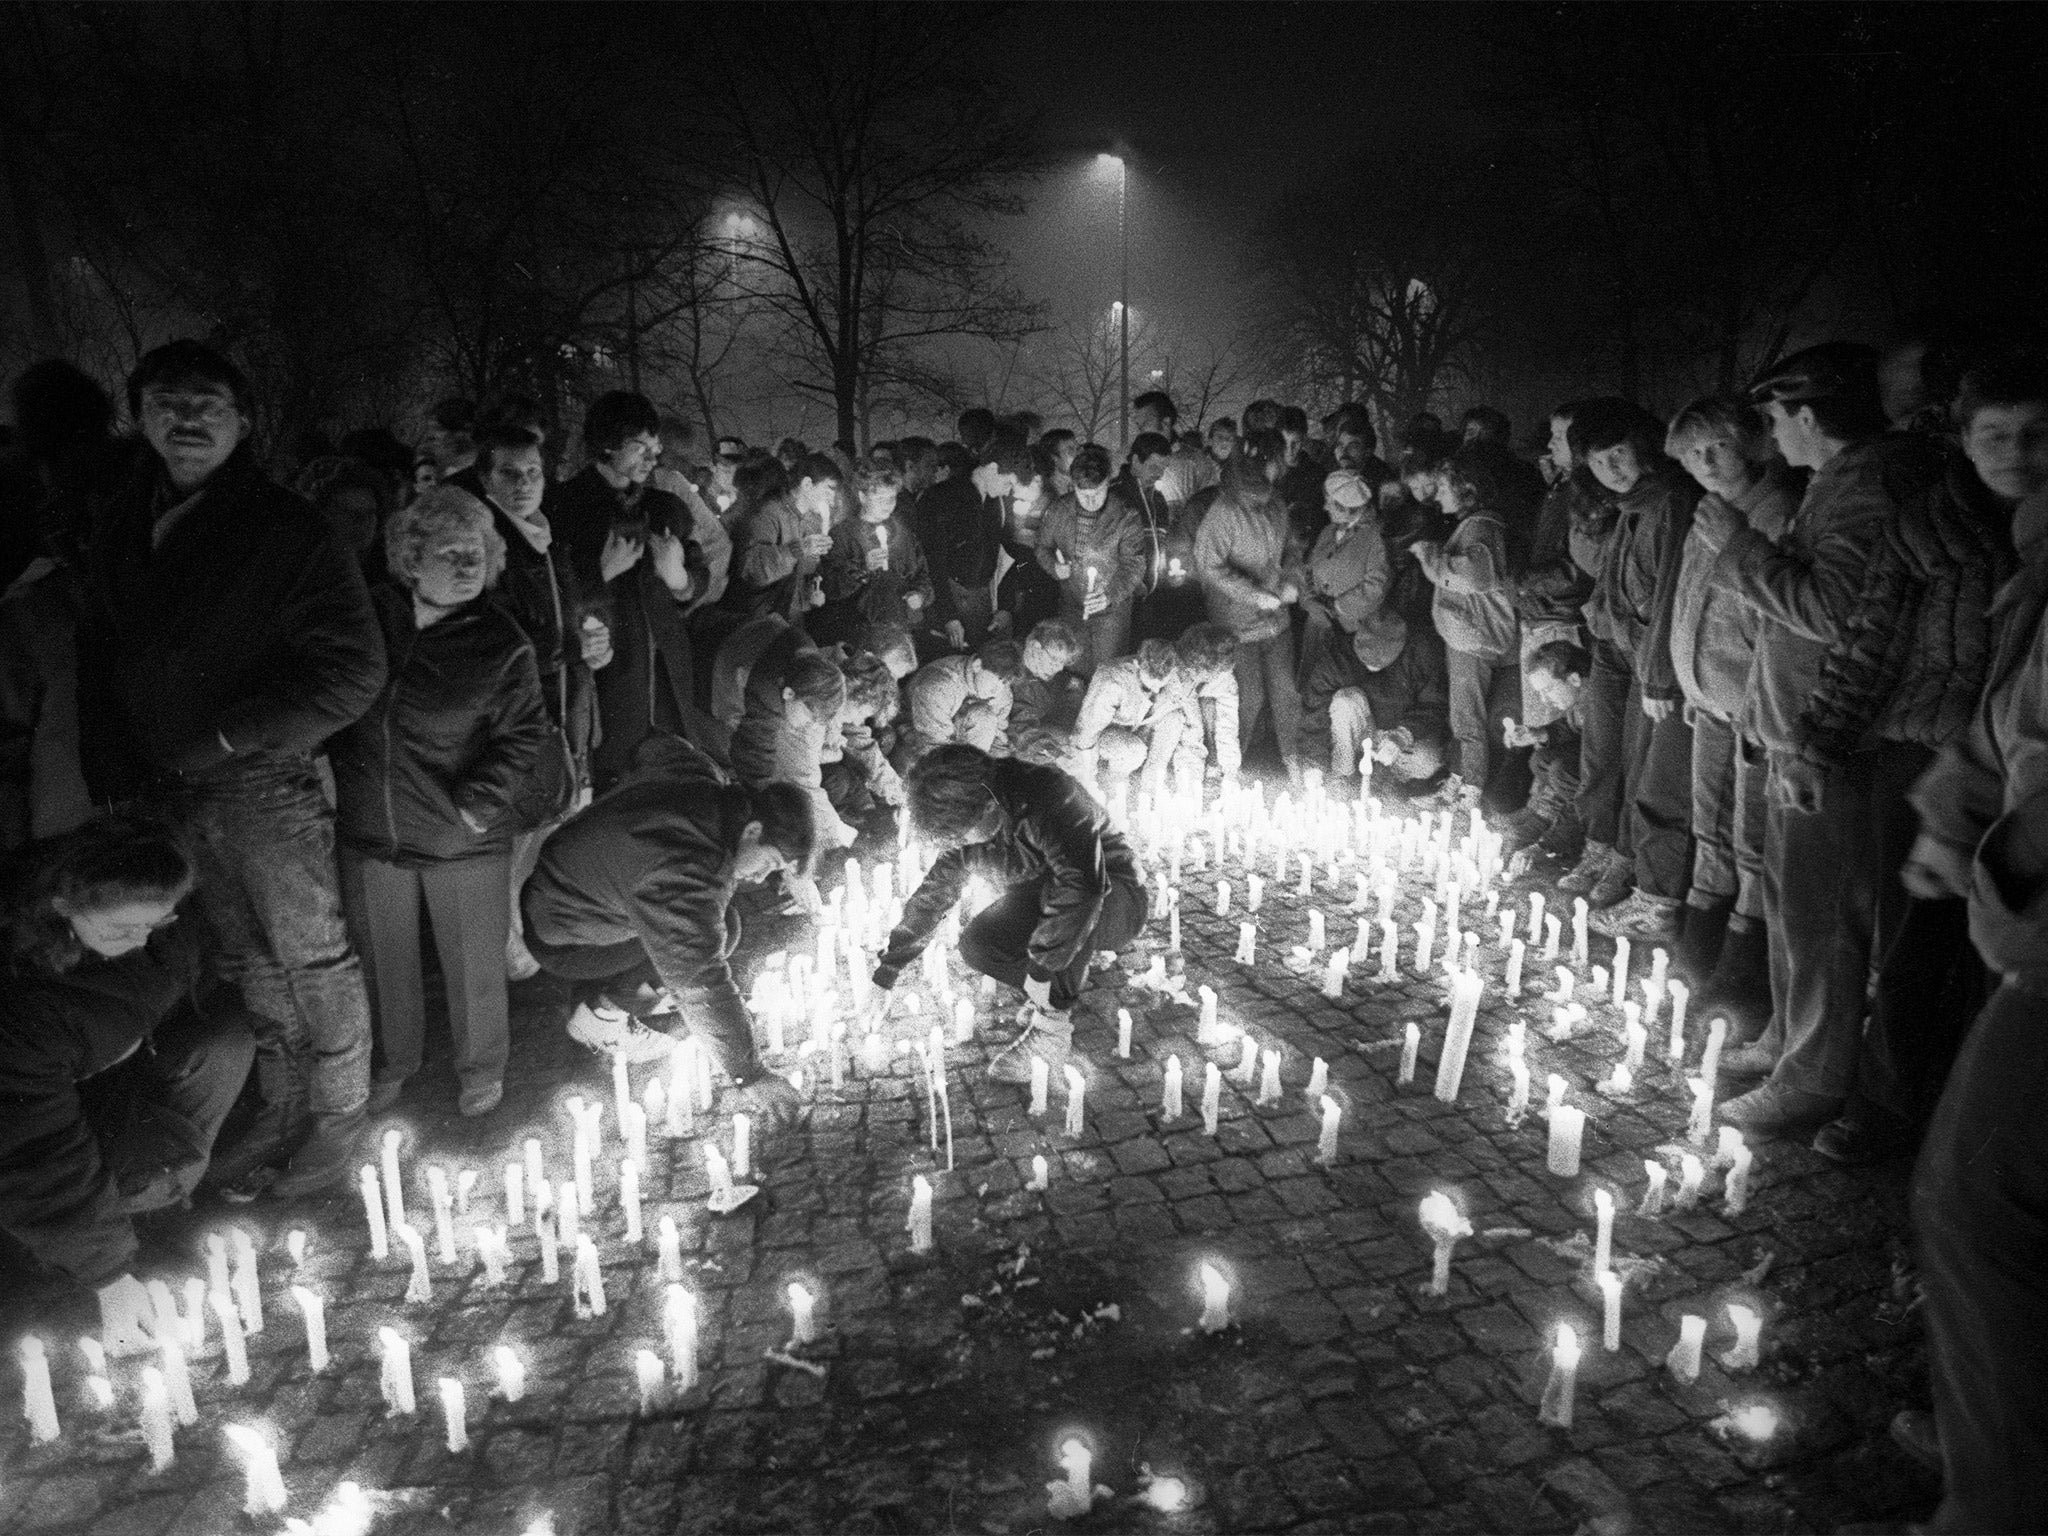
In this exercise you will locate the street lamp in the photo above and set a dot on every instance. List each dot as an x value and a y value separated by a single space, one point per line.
1123 307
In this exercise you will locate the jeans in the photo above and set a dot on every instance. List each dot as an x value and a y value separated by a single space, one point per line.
1658 831
1832 904
1603 744
1980 1218
468 904
1477 689
1728 817
998 939
1265 676
269 896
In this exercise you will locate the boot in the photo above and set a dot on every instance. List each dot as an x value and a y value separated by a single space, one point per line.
1615 884
1583 876
1700 945
1740 985
1050 1037
330 1155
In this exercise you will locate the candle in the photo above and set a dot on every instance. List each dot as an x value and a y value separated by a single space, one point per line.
963 1021
1077 1098
1123 1033
454 1413
1680 996
1566 981
95 1355
920 1215
314 1310
1516 950
1425 935
1318 1080
802 1309
511 1373
231 1344
1603 1238
1258 894
586 1281
493 1250
1041 1173
1550 936
629 1197
1326 1144
655 1099
1317 933
1074 1496
263 1488
1690 1172
1247 943
536 1174
1735 1194
568 1214
633 1127
1620 971
1445 1224
444 1213
1702 1118
178 1379
465 1184
1212 1096
1535 916
1390 948
1636 1041
1579 933
720 1175
1247 1063
420 1287
156 1420
1518 1094
580 1154
217 1282
39 1404
1556 1409
1743 1355
679 1323
1620 1080
193 1325
1215 1299
515 1195
246 1286
1223 898
396 1379
652 1378
1610 1296
1411 1044
1684 1359
1041 1079
1466 990
1653 1194
1710 1061
1567 1130
1269 1080
394 1190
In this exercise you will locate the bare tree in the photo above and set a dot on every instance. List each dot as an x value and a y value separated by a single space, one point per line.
1076 371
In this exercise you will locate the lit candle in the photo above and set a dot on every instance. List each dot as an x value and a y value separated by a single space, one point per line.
396 1379
1317 933
1326 1144
1735 1194
231 1344
652 1378
454 1414
1041 1080
1567 1130
1269 1080
511 1373
314 1310
1123 1032
587 1280
1212 1097
1247 1063
217 1281
1223 898
655 1100
1535 916
1041 1173
1215 1299
1680 996
39 1404
629 1197
1518 1094
1318 1080
720 1175
1610 1296
493 1250
1258 894
1390 948
295 1246
1603 1237
194 1326
802 1309
679 1323
1445 1224
536 1174
1653 1193
580 1154
263 1487
1550 937
1516 950
568 1214
1620 971
633 1127
246 1286
157 1432
1690 1172
1744 1354
95 1355
1710 1061
1077 1100
444 1213
920 1215
1579 953
1411 1044
465 1184
1247 943
1466 991
420 1287
1636 1042
1566 981
394 1190
1684 1360
1702 1118
1556 1409
178 1379
1425 935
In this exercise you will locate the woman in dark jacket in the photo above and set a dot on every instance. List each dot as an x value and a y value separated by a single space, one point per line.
117 1065
427 783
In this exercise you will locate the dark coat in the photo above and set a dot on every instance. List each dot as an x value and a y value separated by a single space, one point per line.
250 622
1412 692
457 728
959 533
1053 831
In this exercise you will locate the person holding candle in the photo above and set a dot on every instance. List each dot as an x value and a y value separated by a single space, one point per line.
1346 577
1554 674
875 571
1071 886
1092 541
119 1056
636 892
425 790
1388 694
785 541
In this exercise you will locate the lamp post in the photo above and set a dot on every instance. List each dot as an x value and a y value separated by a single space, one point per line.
1123 240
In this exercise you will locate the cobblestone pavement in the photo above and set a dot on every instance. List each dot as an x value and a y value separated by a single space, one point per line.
1344 1397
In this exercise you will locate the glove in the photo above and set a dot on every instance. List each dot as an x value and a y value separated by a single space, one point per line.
1040 993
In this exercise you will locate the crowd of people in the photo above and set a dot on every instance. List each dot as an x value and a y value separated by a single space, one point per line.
1763 683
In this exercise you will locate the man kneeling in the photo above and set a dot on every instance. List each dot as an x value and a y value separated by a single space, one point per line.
1071 887
635 892
1393 711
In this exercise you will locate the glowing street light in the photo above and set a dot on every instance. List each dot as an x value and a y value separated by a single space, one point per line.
1122 308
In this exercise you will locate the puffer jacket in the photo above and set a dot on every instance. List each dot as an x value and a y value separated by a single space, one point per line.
940 690
1713 632
1053 831
1806 585
1246 548
458 727
775 574
1911 662
1348 573
1631 603
541 593
1474 605
1111 541
1117 696
57 1197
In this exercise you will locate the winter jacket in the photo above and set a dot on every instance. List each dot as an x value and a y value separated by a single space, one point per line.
1474 607
1986 795
1713 632
1117 696
760 663
1806 584
1246 549
1188 471
1347 576
775 574
652 859
245 635
1109 541
42 785
940 691
1053 832
1043 713
959 533
1631 603
855 595
1555 587
708 527
1914 649
584 510
1411 693
58 1198
458 728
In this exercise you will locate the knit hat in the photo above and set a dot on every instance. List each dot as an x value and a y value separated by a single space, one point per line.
1380 639
1347 488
